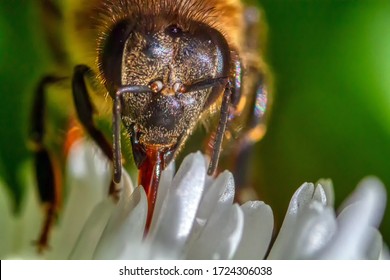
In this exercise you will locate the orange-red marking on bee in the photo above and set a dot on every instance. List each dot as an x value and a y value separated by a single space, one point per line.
149 177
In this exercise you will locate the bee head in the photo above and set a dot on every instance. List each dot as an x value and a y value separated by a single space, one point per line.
170 59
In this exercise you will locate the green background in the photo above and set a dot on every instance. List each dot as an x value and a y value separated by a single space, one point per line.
330 116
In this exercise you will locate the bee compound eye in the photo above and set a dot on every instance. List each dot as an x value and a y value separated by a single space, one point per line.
156 86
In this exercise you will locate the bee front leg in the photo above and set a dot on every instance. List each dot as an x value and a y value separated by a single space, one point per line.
48 187
255 128
84 111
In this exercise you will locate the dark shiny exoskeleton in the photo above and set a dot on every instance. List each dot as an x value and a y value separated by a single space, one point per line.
175 76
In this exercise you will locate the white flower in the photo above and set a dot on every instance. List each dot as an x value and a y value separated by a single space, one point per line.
194 218
311 229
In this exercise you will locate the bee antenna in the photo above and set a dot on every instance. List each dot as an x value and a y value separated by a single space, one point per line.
117 113
223 119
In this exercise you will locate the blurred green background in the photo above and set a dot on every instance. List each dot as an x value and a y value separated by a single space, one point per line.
330 117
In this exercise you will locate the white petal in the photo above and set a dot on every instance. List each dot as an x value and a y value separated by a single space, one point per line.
92 231
327 186
320 195
301 197
315 228
88 178
307 225
375 247
371 193
257 234
232 235
86 162
355 220
217 198
125 226
385 254
221 191
179 209
312 232
97 222
220 237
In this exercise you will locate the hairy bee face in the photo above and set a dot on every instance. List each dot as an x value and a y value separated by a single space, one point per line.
168 59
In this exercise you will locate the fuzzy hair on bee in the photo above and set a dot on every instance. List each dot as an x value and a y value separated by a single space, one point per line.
90 22
165 67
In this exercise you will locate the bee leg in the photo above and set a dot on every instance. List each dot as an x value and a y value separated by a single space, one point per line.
255 92
223 119
255 130
85 112
48 186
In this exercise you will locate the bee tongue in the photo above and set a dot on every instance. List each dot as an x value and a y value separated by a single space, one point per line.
149 177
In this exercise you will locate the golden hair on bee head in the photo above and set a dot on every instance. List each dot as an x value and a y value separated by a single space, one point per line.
92 20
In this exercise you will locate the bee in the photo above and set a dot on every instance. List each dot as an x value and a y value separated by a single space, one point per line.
165 67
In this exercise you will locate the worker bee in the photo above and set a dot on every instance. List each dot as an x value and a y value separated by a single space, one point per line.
165 66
